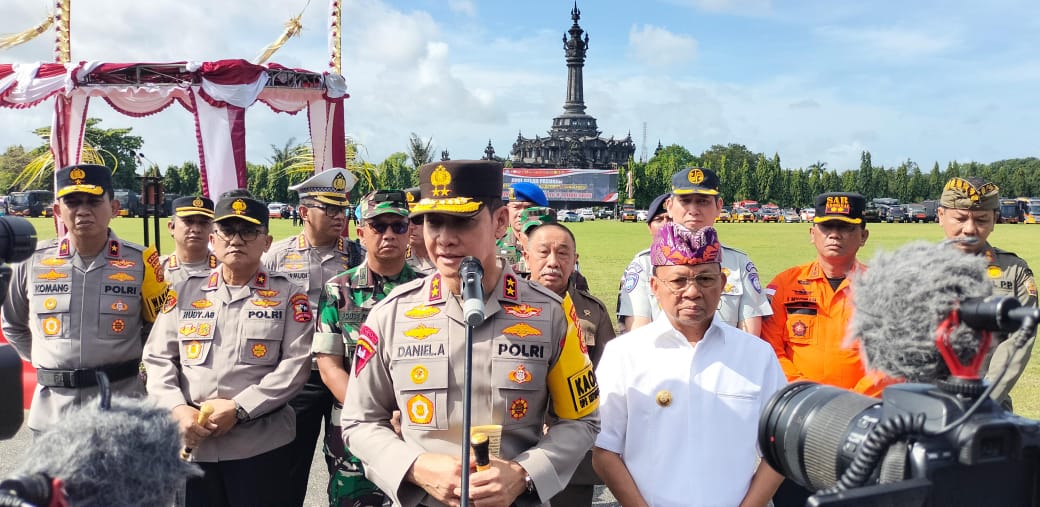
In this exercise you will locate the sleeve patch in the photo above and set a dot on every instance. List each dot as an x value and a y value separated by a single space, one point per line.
366 349
301 308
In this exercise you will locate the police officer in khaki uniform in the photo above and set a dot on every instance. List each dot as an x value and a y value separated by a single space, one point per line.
968 212
238 340
345 302
84 301
416 256
190 226
530 366
309 259
552 256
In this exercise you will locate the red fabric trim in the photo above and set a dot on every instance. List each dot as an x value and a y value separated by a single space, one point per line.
139 115
275 109
237 117
337 142
230 72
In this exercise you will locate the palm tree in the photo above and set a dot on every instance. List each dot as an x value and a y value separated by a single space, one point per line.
419 151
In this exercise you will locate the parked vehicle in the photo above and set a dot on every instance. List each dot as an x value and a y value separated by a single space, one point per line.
568 216
931 207
1033 217
743 215
628 215
769 215
587 214
32 203
872 213
1013 211
274 209
808 214
791 216
605 214
724 216
129 202
642 215
916 213
893 214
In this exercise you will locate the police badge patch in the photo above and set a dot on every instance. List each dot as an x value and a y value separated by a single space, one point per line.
630 280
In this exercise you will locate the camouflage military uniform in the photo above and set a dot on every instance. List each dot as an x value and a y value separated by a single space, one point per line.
509 250
342 309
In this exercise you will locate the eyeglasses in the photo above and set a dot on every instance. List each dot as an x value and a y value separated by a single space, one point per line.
329 211
397 227
247 234
680 285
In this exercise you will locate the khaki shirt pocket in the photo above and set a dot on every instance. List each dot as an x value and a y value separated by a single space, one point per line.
118 317
422 392
519 391
261 351
194 350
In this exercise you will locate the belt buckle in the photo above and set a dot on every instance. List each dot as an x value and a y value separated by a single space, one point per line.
63 378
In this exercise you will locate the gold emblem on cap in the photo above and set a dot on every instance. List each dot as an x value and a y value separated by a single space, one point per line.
409 197
339 183
440 178
239 206
77 175
696 176
197 202
664 398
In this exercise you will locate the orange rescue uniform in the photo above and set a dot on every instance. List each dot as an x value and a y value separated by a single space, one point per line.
807 329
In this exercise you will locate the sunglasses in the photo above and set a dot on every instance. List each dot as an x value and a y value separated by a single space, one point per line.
397 227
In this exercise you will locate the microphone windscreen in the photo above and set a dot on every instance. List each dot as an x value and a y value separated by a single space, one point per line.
126 455
900 300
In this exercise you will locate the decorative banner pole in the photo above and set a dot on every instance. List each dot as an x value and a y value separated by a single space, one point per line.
62 31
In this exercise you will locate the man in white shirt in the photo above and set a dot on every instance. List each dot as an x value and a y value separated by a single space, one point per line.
680 398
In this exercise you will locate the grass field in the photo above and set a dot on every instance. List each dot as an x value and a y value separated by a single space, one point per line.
606 247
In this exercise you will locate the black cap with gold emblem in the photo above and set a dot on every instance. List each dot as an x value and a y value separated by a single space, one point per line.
411 195
190 205
695 180
243 208
87 178
458 187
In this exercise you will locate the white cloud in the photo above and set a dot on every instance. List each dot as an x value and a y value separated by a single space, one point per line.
463 6
891 43
747 7
659 47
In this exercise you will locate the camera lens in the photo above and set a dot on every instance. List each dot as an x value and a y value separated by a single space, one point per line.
810 432
17 239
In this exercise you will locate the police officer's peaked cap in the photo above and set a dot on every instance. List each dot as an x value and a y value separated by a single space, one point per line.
243 208
527 192
411 195
87 178
695 180
329 187
191 205
970 194
656 207
457 187
843 206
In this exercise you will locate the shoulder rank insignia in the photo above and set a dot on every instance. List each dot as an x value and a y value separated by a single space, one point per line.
509 287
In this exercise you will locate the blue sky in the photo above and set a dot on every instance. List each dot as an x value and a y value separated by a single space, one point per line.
812 80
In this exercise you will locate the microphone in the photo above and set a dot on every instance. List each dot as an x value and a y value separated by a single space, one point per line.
472 275
205 411
124 455
903 298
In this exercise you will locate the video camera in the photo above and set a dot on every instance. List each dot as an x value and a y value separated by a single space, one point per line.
17 243
937 444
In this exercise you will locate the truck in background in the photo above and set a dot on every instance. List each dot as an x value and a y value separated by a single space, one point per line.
31 203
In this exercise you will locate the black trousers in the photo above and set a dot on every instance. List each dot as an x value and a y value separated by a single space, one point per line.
313 406
790 494
249 482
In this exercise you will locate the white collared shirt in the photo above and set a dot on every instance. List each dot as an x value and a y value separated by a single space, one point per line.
700 447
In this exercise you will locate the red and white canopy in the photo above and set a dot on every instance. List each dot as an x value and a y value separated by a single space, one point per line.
216 93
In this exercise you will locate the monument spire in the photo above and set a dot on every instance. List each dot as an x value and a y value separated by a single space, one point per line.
574 122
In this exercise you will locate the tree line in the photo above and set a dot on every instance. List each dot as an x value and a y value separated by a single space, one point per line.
743 173
747 175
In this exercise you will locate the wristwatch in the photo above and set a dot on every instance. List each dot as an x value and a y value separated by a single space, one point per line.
241 415
529 488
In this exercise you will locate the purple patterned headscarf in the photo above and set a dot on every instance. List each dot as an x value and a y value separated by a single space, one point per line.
675 245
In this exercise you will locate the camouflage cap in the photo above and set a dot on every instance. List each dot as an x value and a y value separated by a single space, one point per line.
971 194
382 202
675 245
535 216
